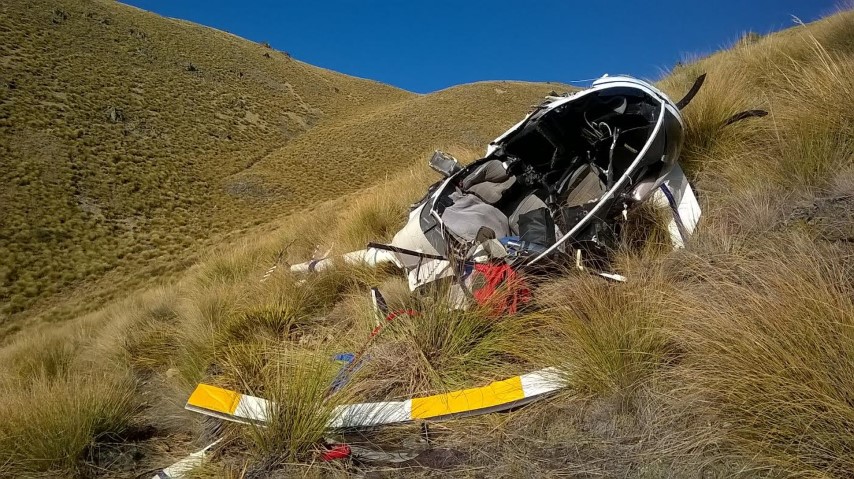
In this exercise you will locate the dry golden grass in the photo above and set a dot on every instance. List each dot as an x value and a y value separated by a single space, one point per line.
154 139
730 358
437 350
54 425
297 381
614 342
772 360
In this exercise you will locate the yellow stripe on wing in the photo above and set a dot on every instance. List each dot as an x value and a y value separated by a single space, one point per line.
214 399
499 392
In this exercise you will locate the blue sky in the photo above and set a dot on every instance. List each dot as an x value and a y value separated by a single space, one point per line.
429 45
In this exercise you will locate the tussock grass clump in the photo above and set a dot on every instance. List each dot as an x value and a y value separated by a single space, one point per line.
278 308
200 321
440 349
796 77
297 382
51 425
815 141
45 355
769 354
454 345
722 95
644 235
378 214
231 265
284 309
607 337
141 332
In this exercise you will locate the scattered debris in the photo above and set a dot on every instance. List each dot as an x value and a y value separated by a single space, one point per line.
745 115
335 452
349 366
370 257
180 469
555 188
279 259
269 272
614 277
353 362
424 456
553 191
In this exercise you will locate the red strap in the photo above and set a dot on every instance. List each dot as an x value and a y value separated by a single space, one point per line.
391 316
338 451
507 302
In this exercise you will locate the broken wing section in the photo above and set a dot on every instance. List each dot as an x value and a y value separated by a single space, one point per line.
496 396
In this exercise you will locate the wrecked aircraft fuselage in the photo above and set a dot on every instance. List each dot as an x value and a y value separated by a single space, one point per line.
561 180
556 186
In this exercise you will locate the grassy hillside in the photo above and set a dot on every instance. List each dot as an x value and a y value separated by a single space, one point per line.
130 143
731 358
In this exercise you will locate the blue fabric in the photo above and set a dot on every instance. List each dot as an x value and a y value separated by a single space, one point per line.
346 370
